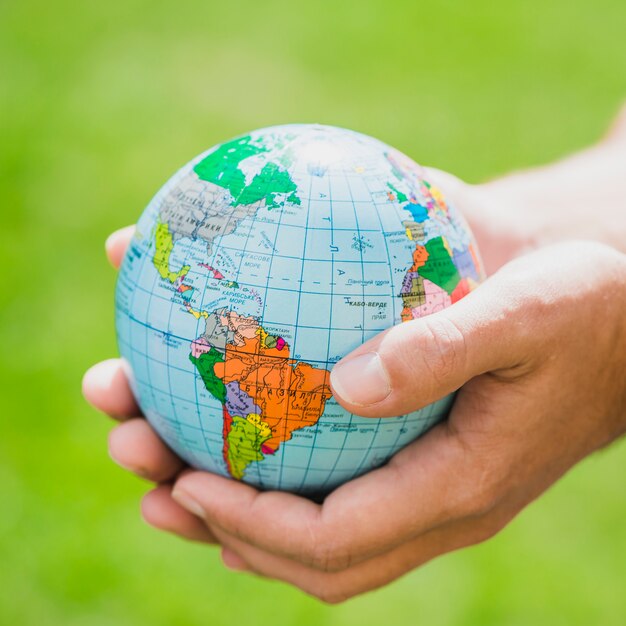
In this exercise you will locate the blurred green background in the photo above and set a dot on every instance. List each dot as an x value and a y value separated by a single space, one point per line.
100 103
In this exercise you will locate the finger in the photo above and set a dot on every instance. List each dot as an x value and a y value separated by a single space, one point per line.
116 244
431 482
420 361
233 561
290 512
475 209
333 587
452 187
135 446
160 511
105 386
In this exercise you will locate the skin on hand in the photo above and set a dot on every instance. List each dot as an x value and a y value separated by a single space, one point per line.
526 210
540 352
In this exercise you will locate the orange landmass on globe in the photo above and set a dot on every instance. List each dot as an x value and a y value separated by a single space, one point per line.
420 255
290 394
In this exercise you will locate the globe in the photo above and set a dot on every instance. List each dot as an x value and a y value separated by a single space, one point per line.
255 269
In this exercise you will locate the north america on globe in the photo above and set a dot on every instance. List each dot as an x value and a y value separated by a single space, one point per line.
255 269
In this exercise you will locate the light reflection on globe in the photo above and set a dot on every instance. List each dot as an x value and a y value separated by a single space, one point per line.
254 270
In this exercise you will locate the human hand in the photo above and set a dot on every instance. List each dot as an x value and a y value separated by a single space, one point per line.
541 348
579 197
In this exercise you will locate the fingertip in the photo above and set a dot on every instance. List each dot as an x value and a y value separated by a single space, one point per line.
201 488
208 495
135 446
118 448
105 386
154 504
193 480
160 511
116 244
233 561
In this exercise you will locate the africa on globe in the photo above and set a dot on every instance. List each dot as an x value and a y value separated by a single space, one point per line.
255 269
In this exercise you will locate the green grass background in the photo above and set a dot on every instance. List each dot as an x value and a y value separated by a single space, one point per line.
100 103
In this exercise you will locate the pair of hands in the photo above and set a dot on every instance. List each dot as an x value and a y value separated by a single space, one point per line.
540 352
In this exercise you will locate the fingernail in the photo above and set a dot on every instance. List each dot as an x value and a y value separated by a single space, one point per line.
361 380
187 502
101 374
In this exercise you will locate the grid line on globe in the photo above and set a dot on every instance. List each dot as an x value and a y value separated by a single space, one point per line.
256 268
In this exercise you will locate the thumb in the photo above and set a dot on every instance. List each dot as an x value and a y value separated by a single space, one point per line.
420 361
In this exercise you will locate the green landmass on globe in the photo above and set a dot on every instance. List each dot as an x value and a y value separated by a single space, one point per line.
254 270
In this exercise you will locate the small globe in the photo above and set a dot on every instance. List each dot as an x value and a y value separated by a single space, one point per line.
257 267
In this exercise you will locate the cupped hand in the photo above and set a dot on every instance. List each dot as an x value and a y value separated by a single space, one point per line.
540 350
133 444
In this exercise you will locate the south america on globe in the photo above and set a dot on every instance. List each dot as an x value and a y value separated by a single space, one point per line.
256 268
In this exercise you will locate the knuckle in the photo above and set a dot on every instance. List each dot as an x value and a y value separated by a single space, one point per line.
488 527
441 346
234 527
327 550
328 557
488 530
329 593
479 493
483 502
